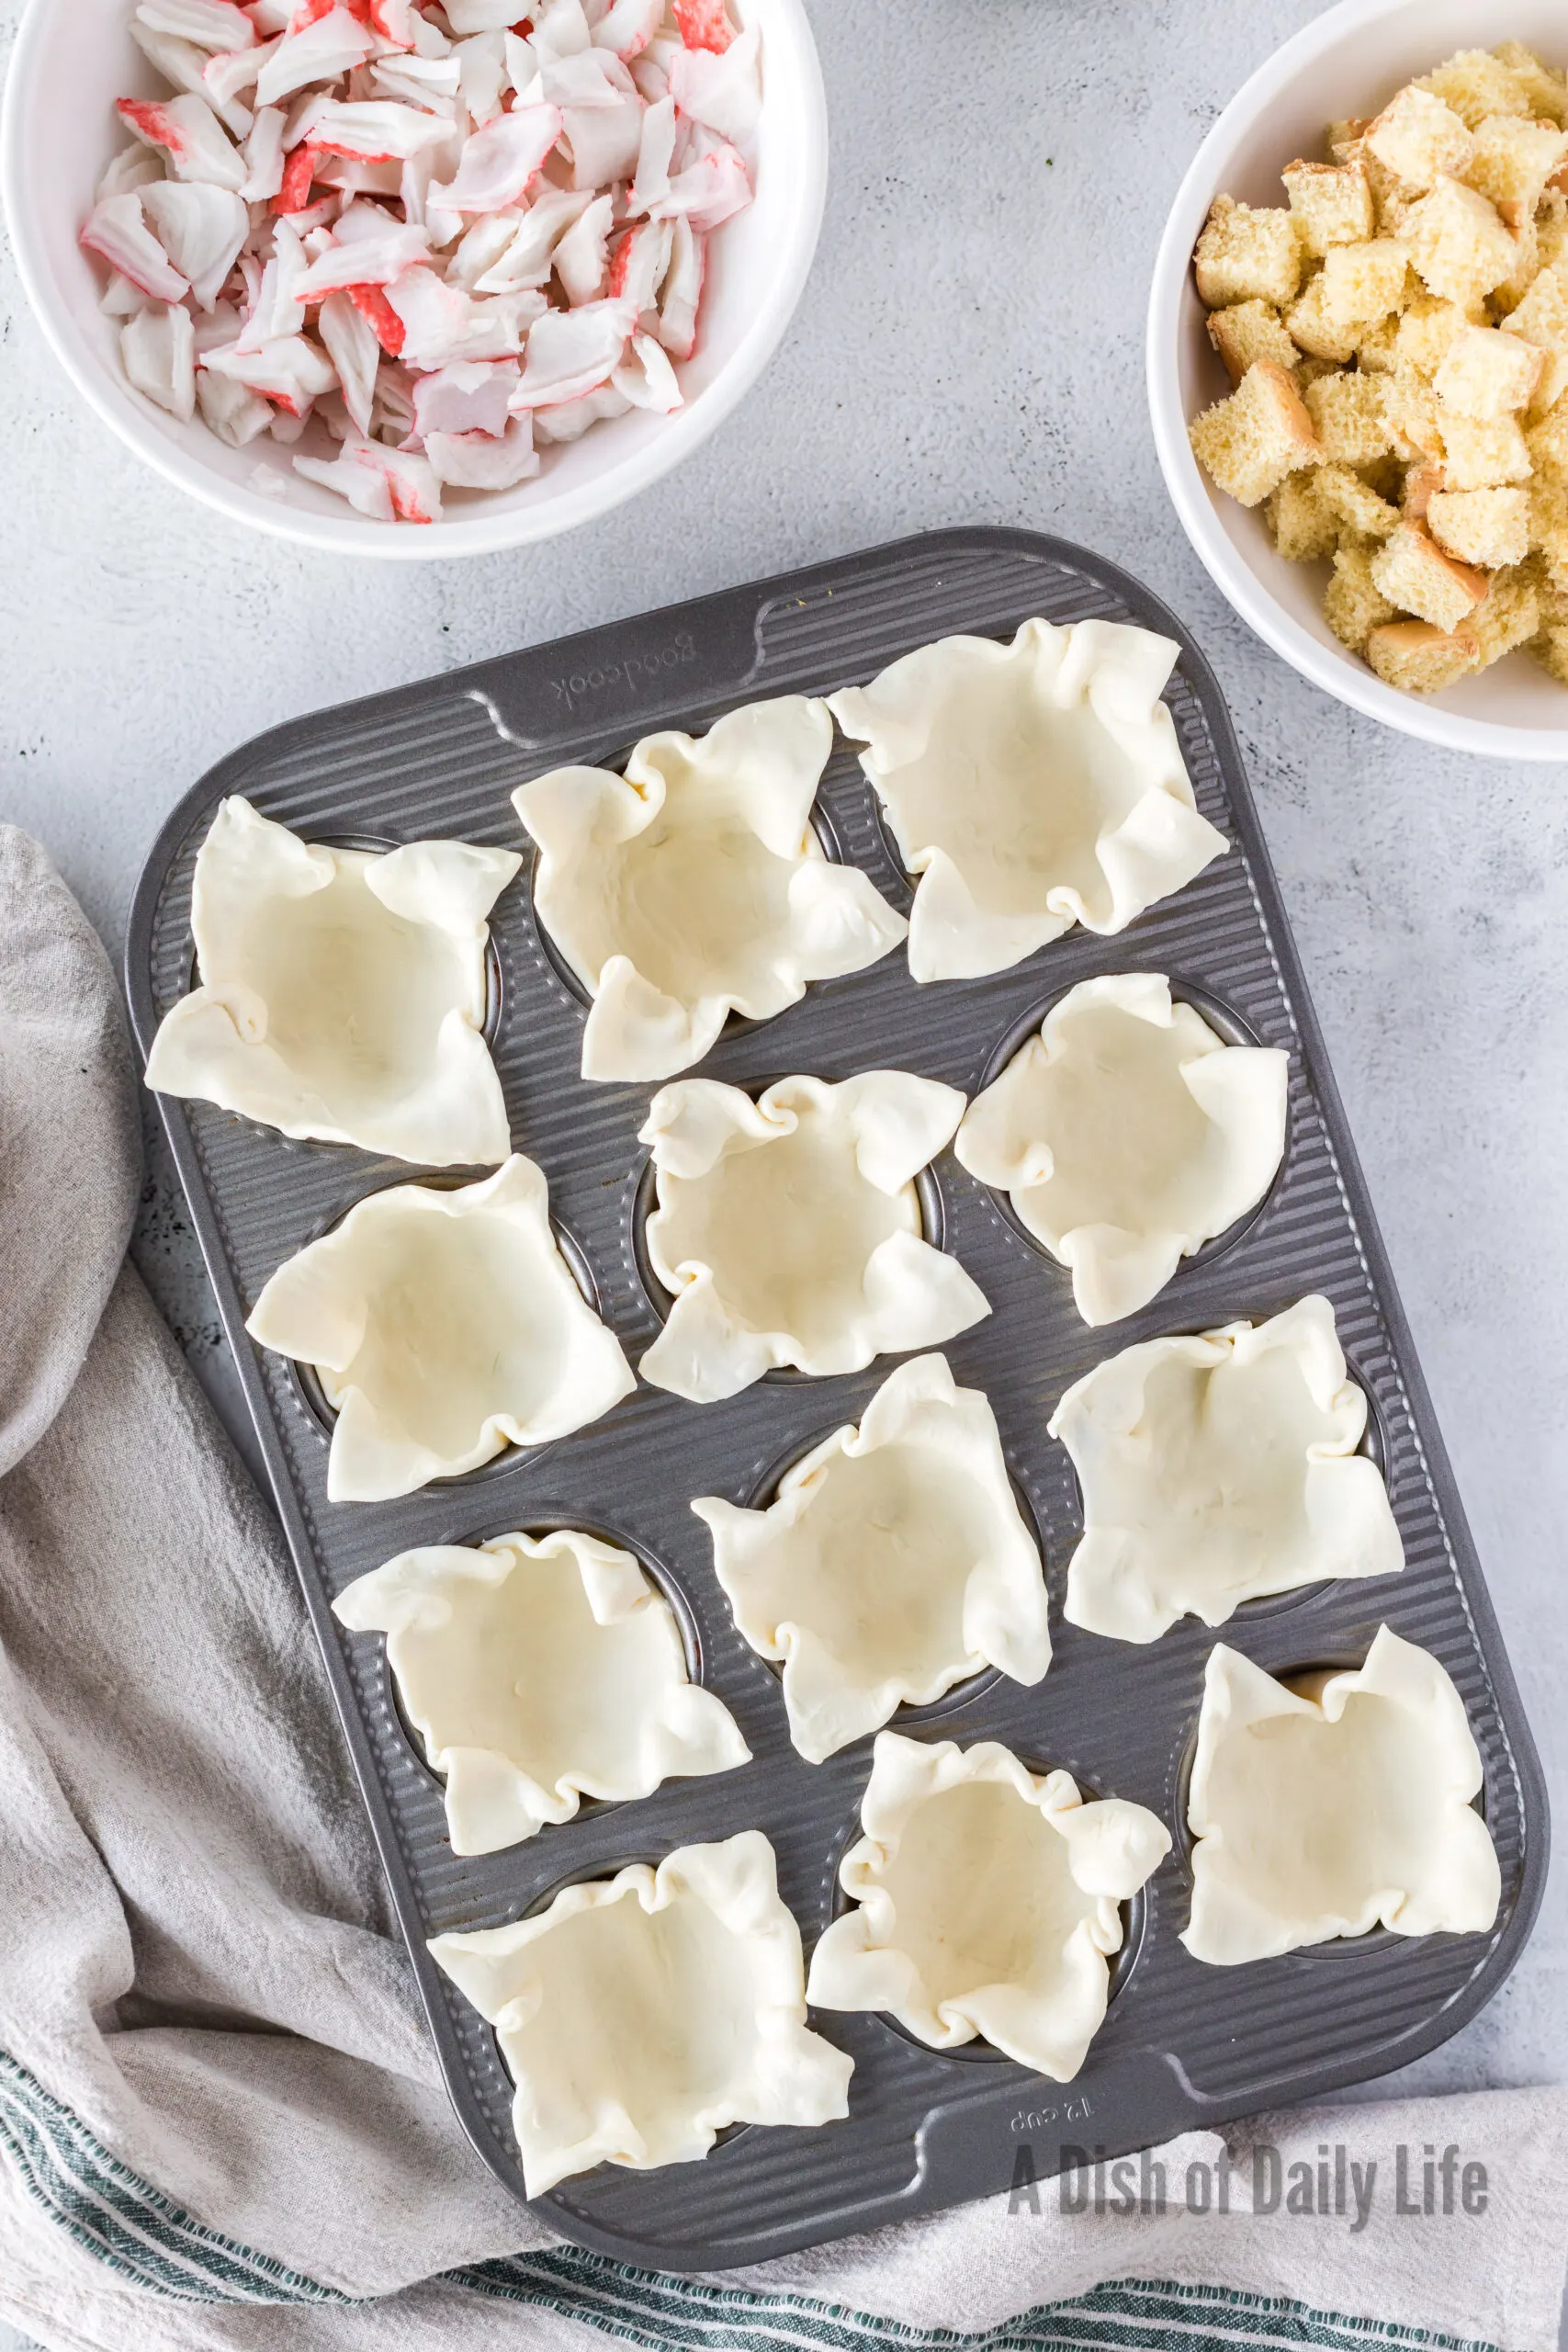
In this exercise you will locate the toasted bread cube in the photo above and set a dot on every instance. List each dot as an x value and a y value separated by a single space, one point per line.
1353 604
1513 161
1550 226
1551 594
1545 94
1416 577
1349 419
1246 332
1347 132
1507 617
1420 658
1250 442
1411 408
1489 527
1482 453
1458 242
1319 335
1300 526
1549 531
1309 370
1354 503
1331 204
1510 291
1541 319
1551 650
1377 347
1245 255
1388 192
1422 484
1474 86
1547 445
1363 283
1419 140
1425 330
1486 372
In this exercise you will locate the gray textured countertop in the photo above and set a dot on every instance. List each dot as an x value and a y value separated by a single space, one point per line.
969 349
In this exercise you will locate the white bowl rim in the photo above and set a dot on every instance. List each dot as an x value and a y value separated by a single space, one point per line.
474 531
1358 686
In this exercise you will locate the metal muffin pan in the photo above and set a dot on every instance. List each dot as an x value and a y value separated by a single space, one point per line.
1182 2045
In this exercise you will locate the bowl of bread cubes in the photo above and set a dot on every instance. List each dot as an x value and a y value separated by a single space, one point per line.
1358 363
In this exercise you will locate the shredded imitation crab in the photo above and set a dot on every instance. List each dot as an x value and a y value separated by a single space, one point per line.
445 233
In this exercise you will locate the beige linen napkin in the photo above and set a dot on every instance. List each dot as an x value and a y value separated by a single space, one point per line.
222 2124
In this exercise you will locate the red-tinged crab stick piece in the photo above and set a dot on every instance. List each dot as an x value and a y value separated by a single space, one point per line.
298 177
703 24
627 26
190 135
371 256
681 298
570 353
374 131
116 229
501 163
723 91
289 371
388 485
214 25
321 49
371 303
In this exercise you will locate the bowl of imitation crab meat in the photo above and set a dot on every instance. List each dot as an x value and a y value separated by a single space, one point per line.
346 268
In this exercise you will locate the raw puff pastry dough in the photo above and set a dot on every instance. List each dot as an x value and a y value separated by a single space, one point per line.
1218 1468
894 1563
787 1229
443 1326
1030 786
342 994
987 1901
640 2014
694 885
1127 1134
1318 1817
539 1670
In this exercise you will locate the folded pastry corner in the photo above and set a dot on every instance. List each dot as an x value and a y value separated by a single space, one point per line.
1219 1468
787 1229
536 1671
640 2016
893 1562
987 1901
694 887
341 992
1030 786
1322 1810
443 1325
1127 1134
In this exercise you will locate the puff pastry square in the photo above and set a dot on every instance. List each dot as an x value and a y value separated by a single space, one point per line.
640 2016
342 993
894 1563
694 885
1127 1134
1320 1811
443 1326
987 1901
788 1229
1218 1468
539 1670
1030 786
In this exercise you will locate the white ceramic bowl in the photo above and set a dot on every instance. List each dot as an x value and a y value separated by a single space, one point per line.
1348 61
73 57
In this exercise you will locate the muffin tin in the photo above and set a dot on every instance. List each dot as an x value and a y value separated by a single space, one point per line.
1182 2045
